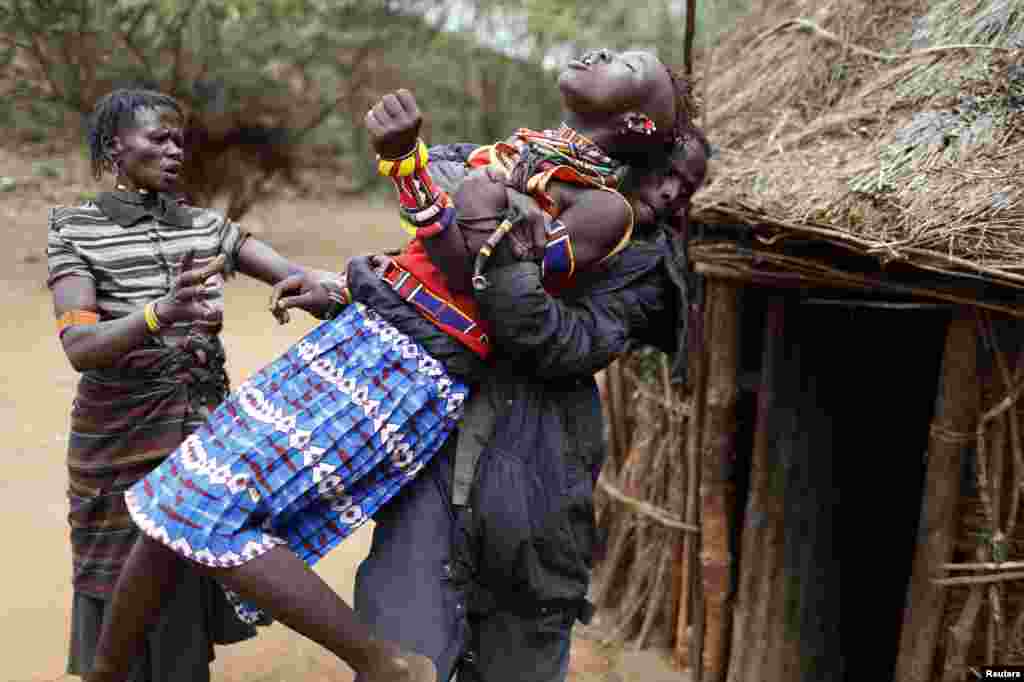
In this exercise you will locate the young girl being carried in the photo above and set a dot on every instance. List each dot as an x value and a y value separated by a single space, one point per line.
308 448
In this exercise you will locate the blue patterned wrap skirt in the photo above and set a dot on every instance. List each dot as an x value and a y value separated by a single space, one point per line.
306 450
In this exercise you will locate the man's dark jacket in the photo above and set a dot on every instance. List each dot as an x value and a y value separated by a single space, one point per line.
533 517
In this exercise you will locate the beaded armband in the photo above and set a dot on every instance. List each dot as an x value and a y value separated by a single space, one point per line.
404 165
73 318
558 253
426 210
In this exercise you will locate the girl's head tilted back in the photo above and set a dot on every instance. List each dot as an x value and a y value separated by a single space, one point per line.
138 135
628 103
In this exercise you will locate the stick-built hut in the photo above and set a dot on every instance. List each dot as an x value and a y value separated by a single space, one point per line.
860 255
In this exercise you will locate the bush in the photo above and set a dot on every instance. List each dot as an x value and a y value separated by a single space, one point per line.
271 86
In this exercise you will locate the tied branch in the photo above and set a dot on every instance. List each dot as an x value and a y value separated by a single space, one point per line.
646 509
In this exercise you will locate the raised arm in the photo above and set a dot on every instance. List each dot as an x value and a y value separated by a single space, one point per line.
427 210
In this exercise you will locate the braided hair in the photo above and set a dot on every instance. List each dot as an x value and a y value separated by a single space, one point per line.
687 107
695 133
113 112
687 111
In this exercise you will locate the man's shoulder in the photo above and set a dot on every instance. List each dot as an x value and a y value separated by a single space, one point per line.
456 152
641 262
643 250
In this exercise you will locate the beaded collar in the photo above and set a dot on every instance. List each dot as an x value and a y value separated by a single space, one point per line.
569 147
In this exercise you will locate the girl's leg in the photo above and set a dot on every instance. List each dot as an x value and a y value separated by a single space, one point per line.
278 582
290 591
147 581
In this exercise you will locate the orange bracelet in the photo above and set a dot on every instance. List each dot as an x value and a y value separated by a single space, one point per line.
74 317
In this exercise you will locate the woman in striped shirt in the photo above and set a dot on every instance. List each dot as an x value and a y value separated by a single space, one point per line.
137 280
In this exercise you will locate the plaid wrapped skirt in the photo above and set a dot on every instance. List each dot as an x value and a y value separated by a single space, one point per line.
306 450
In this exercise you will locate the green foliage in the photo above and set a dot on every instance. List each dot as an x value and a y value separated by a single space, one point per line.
308 69
312 68
564 27
47 169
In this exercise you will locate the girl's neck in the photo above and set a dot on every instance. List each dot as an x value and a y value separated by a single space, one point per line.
604 134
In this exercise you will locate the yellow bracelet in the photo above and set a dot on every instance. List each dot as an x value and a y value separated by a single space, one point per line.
152 321
405 165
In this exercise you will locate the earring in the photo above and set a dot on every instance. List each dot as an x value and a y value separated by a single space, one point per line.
641 124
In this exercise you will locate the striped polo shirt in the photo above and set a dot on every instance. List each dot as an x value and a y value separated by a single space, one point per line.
132 245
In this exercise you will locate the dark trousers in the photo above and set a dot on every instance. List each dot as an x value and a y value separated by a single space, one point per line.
414 588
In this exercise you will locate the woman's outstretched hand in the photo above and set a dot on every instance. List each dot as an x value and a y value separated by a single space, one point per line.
311 291
187 299
394 124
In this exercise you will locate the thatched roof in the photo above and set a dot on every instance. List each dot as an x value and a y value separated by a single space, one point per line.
889 133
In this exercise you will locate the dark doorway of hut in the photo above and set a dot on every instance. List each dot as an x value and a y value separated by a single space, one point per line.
851 392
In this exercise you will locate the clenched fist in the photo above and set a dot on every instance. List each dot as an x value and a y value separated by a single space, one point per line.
394 124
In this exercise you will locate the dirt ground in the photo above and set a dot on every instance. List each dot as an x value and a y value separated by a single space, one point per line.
37 386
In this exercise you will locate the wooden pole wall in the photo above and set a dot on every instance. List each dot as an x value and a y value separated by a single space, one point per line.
717 493
786 616
952 432
690 602
763 526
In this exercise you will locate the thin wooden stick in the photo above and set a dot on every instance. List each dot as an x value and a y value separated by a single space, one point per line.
1016 448
664 564
691 31
613 384
979 579
675 408
836 279
709 58
996 629
646 509
960 637
1005 404
984 566
677 502
606 593
636 597
691 602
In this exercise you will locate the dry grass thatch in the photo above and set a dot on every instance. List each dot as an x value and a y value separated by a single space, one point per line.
892 129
